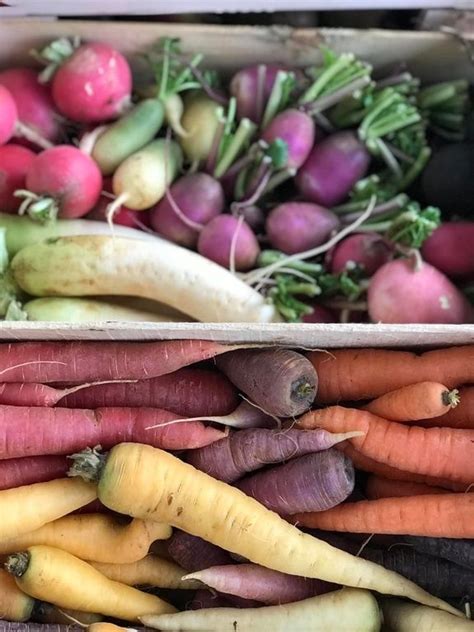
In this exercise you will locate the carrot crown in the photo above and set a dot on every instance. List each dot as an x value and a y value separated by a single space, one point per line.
17 563
88 464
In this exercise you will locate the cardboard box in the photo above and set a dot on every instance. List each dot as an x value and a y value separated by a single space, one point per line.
431 56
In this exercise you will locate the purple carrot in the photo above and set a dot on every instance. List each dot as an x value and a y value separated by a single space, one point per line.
30 431
248 450
207 599
195 554
314 482
188 392
246 415
251 581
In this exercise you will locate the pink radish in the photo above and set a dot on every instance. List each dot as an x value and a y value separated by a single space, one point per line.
10 124
93 85
123 216
28 470
451 249
297 130
34 103
191 202
61 182
401 292
298 226
39 431
230 242
14 164
367 250
320 314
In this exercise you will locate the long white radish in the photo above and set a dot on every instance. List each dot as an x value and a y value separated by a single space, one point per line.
400 616
347 610
159 270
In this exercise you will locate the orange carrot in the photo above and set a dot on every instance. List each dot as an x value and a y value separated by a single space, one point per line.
379 487
441 452
439 515
352 374
366 464
462 416
423 400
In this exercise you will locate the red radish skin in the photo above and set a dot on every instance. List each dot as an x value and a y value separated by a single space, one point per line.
194 554
314 482
34 103
332 168
370 251
248 450
8 116
66 430
297 130
251 581
244 87
28 470
123 216
199 197
189 392
93 85
68 176
450 249
80 362
400 293
298 226
320 314
14 164
215 243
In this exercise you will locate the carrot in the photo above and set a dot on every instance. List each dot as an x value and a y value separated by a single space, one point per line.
353 374
366 464
80 362
149 571
93 537
462 416
31 394
195 554
106 627
423 400
150 483
401 616
30 431
440 452
59 578
379 487
440 515
36 469
30 507
47 613
15 605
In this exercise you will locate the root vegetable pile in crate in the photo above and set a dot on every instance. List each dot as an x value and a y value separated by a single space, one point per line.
299 490
319 194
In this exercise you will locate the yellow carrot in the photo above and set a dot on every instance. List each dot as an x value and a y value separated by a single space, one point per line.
15 605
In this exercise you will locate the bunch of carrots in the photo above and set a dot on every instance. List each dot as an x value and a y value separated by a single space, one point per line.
190 485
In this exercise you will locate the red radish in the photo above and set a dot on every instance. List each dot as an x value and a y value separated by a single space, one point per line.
451 249
187 392
196 196
8 116
194 554
401 293
251 581
368 250
93 85
65 430
320 314
249 450
123 216
251 88
28 470
297 130
225 236
298 226
332 168
14 164
80 362
34 103
62 182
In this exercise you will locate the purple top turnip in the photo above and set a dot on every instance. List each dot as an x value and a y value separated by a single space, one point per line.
216 238
332 169
93 85
368 250
199 197
244 86
298 226
297 130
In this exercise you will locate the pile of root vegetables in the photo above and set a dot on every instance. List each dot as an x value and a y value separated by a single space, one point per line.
320 194
191 485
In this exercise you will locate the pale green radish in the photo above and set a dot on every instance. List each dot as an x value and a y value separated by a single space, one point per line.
23 231
201 121
152 484
84 310
141 180
127 135
160 270
347 610
401 616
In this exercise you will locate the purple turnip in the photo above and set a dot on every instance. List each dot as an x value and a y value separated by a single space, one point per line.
368 250
251 87
297 130
451 249
230 242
